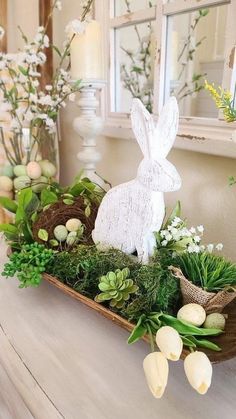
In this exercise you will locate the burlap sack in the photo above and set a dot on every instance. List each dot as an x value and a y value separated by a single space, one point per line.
210 301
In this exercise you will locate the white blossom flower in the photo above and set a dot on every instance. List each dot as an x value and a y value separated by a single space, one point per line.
2 32
210 247
219 247
72 97
49 122
164 243
2 65
168 237
58 5
42 57
34 73
48 87
197 239
46 100
192 230
200 228
75 27
41 29
33 98
35 83
28 116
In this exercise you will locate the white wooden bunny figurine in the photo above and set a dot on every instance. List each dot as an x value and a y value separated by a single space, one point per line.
131 212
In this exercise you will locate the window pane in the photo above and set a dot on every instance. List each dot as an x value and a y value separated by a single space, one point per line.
133 66
195 53
122 7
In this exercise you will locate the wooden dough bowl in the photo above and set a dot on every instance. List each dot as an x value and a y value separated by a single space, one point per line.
227 341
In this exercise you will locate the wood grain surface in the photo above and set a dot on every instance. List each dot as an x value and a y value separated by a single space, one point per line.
60 359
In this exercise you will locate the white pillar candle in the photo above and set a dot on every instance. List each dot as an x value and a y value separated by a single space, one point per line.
86 53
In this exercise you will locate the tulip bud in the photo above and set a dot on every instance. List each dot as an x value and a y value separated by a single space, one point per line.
156 370
198 370
169 342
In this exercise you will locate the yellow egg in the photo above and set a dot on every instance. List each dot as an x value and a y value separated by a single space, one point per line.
33 170
6 184
73 224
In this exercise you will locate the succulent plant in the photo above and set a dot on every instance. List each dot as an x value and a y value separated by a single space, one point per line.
116 287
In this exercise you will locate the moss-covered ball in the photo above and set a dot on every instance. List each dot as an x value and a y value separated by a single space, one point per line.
60 233
6 184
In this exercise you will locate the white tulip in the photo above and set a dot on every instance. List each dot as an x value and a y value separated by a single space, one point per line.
169 342
198 370
156 370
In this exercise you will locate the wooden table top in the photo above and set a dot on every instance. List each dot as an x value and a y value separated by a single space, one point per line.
59 359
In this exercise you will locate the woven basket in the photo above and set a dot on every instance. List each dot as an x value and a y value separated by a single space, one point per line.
210 301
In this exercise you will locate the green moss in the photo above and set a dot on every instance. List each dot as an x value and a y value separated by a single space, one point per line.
158 291
81 269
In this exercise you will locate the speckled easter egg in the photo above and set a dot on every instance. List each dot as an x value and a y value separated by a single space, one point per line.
21 182
20 170
73 224
39 184
33 170
60 233
71 238
8 171
48 169
6 184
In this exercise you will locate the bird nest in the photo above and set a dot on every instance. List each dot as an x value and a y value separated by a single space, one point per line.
60 213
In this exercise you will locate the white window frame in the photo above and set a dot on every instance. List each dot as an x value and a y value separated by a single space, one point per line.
206 135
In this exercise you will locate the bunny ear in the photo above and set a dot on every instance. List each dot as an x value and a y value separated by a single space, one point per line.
166 129
142 125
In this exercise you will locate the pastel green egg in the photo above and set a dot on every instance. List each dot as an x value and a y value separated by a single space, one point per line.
8 171
71 238
20 170
60 233
39 184
48 169
21 182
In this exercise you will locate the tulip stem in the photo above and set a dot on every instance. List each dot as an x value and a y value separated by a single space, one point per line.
151 338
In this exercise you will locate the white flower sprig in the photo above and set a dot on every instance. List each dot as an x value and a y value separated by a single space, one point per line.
178 238
24 102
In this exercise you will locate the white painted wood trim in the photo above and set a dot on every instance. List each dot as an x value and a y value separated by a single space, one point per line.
133 18
217 134
180 6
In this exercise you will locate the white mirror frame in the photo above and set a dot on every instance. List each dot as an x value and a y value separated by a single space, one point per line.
206 135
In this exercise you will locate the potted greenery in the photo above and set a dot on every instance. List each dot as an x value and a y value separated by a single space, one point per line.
206 279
